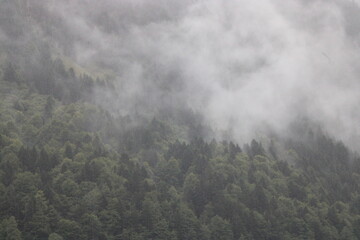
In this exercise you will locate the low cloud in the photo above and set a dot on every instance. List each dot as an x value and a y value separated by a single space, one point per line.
244 65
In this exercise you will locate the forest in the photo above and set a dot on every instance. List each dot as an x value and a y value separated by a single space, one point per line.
73 169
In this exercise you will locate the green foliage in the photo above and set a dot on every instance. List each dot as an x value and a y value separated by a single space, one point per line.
71 170
9 229
220 229
70 229
55 236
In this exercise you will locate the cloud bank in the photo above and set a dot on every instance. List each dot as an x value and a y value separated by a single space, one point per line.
244 65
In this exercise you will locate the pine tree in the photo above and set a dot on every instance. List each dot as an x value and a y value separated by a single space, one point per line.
220 229
9 229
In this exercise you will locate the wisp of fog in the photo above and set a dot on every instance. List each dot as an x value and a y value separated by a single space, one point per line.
244 65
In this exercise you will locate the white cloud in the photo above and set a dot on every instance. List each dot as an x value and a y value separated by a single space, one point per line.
243 64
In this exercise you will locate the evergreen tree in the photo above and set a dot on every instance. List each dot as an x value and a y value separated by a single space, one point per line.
220 229
9 229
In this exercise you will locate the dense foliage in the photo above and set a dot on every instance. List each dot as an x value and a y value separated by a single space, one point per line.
71 170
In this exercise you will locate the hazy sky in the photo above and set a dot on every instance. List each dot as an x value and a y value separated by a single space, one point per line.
244 65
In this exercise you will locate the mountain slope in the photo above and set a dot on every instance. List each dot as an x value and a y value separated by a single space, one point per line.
71 170
80 161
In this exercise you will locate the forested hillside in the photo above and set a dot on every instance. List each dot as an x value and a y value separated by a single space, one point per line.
71 170
107 127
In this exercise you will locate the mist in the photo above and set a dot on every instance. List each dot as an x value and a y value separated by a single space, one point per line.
245 66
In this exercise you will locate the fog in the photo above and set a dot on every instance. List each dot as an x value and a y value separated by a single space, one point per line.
245 66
